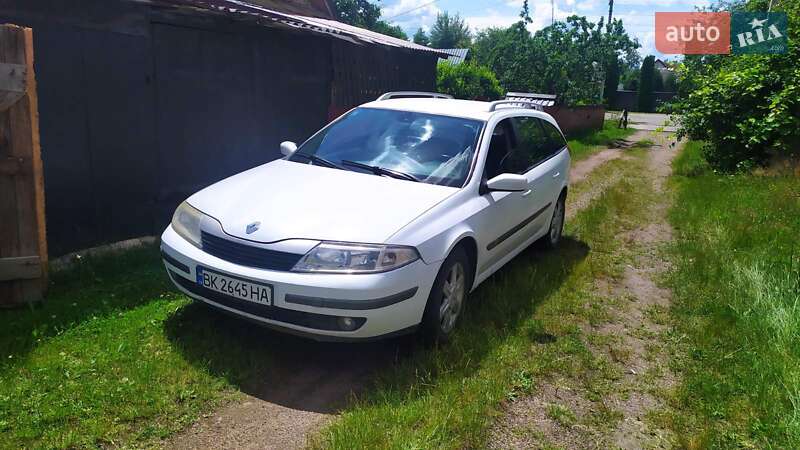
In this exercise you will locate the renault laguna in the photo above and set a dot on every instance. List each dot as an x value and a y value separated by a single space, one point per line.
381 223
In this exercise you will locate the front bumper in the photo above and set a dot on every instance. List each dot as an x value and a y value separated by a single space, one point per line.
310 304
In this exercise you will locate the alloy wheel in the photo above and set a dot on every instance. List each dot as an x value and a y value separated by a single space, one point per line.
453 290
557 224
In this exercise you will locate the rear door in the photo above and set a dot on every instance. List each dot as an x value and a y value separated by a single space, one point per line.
532 158
559 155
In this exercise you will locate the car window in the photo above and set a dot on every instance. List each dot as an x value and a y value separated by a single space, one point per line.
557 141
432 148
499 147
532 146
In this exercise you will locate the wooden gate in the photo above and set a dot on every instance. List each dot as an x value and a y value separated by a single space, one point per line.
23 245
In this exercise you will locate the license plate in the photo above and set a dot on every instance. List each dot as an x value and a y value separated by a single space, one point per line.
235 287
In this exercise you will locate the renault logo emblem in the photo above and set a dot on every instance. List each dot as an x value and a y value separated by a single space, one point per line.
252 228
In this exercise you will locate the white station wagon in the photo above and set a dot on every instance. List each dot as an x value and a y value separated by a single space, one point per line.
381 223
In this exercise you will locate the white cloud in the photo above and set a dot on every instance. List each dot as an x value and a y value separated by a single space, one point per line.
492 18
663 3
543 15
415 13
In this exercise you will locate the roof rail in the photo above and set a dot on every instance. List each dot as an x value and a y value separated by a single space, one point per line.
412 94
514 104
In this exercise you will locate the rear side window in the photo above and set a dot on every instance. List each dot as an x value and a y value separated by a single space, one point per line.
532 146
557 141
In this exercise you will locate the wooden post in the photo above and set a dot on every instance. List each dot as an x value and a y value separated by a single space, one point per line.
23 243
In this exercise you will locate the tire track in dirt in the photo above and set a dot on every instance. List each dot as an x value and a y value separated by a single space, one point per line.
308 384
638 326
581 170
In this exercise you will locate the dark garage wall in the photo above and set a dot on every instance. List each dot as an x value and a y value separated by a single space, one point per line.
137 112
140 106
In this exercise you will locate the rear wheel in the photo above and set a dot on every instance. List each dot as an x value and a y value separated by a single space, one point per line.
553 236
448 295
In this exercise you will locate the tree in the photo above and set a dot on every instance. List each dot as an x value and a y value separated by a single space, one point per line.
525 13
364 14
360 13
390 30
421 38
612 80
467 81
567 59
671 82
574 56
646 100
450 32
508 53
658 81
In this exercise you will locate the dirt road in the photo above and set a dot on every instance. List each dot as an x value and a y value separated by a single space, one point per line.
629 337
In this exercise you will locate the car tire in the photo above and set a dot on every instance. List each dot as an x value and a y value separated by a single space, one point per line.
556 229
445 303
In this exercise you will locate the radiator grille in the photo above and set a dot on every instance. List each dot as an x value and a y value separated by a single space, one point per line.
248 255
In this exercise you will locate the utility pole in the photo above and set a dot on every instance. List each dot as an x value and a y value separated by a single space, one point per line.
552 13
610 10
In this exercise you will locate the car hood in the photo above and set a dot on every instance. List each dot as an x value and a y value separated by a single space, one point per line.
292 200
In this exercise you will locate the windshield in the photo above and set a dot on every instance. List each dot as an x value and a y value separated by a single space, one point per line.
430 148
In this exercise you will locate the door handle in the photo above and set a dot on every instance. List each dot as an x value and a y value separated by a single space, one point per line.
555 175
527 193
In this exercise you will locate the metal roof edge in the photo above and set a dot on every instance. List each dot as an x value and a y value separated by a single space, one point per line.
329 27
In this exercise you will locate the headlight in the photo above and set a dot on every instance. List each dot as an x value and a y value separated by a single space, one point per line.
186 222
336 257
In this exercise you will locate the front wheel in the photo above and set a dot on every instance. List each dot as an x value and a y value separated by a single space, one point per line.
553 236
447 297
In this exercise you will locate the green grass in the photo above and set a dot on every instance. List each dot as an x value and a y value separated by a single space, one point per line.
114 356
736 280
522 328
561 414
583 145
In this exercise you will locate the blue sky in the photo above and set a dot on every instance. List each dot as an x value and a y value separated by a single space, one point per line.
637 15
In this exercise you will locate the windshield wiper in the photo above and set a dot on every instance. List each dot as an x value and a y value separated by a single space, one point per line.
319 160
377 170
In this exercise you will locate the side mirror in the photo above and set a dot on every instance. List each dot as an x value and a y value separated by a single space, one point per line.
288 147
508 182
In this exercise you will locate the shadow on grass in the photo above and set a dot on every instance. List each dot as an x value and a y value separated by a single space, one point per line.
322 377
94 287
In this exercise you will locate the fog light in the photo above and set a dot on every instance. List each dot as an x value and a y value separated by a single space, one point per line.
347 323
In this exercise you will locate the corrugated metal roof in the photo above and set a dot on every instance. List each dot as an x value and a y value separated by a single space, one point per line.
244 10
457 55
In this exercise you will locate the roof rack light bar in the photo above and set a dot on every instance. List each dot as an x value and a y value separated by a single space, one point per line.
531 97
412 94
514 104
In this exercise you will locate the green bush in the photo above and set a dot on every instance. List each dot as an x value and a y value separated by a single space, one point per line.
467 81
746 106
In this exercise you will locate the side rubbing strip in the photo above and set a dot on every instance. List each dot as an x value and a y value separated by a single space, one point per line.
350 304
516 228
175 263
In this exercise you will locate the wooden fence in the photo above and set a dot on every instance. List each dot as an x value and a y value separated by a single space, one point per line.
23 246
